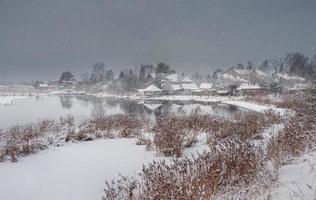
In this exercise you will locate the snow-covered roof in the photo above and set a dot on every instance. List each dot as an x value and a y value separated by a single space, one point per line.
190 86
222 92
187 79
260 73
246 86
243 71
43 85
176 87
288 77
152 88
206 86
173 77
232 78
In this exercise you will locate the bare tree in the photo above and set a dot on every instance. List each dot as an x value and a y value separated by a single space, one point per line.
163 68
264 66
66 76
278 64
297 64
98 73
250 65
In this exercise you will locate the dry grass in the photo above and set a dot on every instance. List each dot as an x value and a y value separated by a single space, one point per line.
288 101
199 177
169 136
22 141
19 141
114 125
173 134
299 133
233 169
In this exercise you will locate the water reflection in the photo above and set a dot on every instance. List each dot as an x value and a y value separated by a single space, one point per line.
66 101
83 107
155 108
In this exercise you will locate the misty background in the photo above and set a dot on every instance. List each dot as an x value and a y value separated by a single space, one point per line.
40 38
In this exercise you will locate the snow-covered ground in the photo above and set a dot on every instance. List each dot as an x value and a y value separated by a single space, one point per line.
297 180
214 99
255 107
75 171
6 100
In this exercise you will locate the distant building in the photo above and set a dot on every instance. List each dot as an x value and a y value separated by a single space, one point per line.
151 91
288 81
173 78
206 86
150 77
187 80
235 76
222 92
188 88
205 89
250 89
43 85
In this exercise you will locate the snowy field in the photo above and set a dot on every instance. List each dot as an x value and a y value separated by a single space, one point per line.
75 171
297 179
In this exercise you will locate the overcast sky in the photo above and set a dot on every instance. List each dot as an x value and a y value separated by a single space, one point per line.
41 38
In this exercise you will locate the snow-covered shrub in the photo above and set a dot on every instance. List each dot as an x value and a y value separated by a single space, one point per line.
114 125
200 177
22 141
244 125
169 136
299 132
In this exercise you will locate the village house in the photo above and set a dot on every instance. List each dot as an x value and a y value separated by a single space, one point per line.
250 89
189 88
288 81
150 77
150 91
206 89
242 75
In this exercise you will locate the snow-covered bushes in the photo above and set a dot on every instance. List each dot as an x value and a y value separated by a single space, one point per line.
233 168
173 134
22 141
112 126
299 133
200 177
285 101
169 136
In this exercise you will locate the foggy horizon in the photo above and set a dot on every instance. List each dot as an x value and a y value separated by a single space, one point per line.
40 39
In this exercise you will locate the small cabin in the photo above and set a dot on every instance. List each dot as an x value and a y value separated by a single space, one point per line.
250 89
151 91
